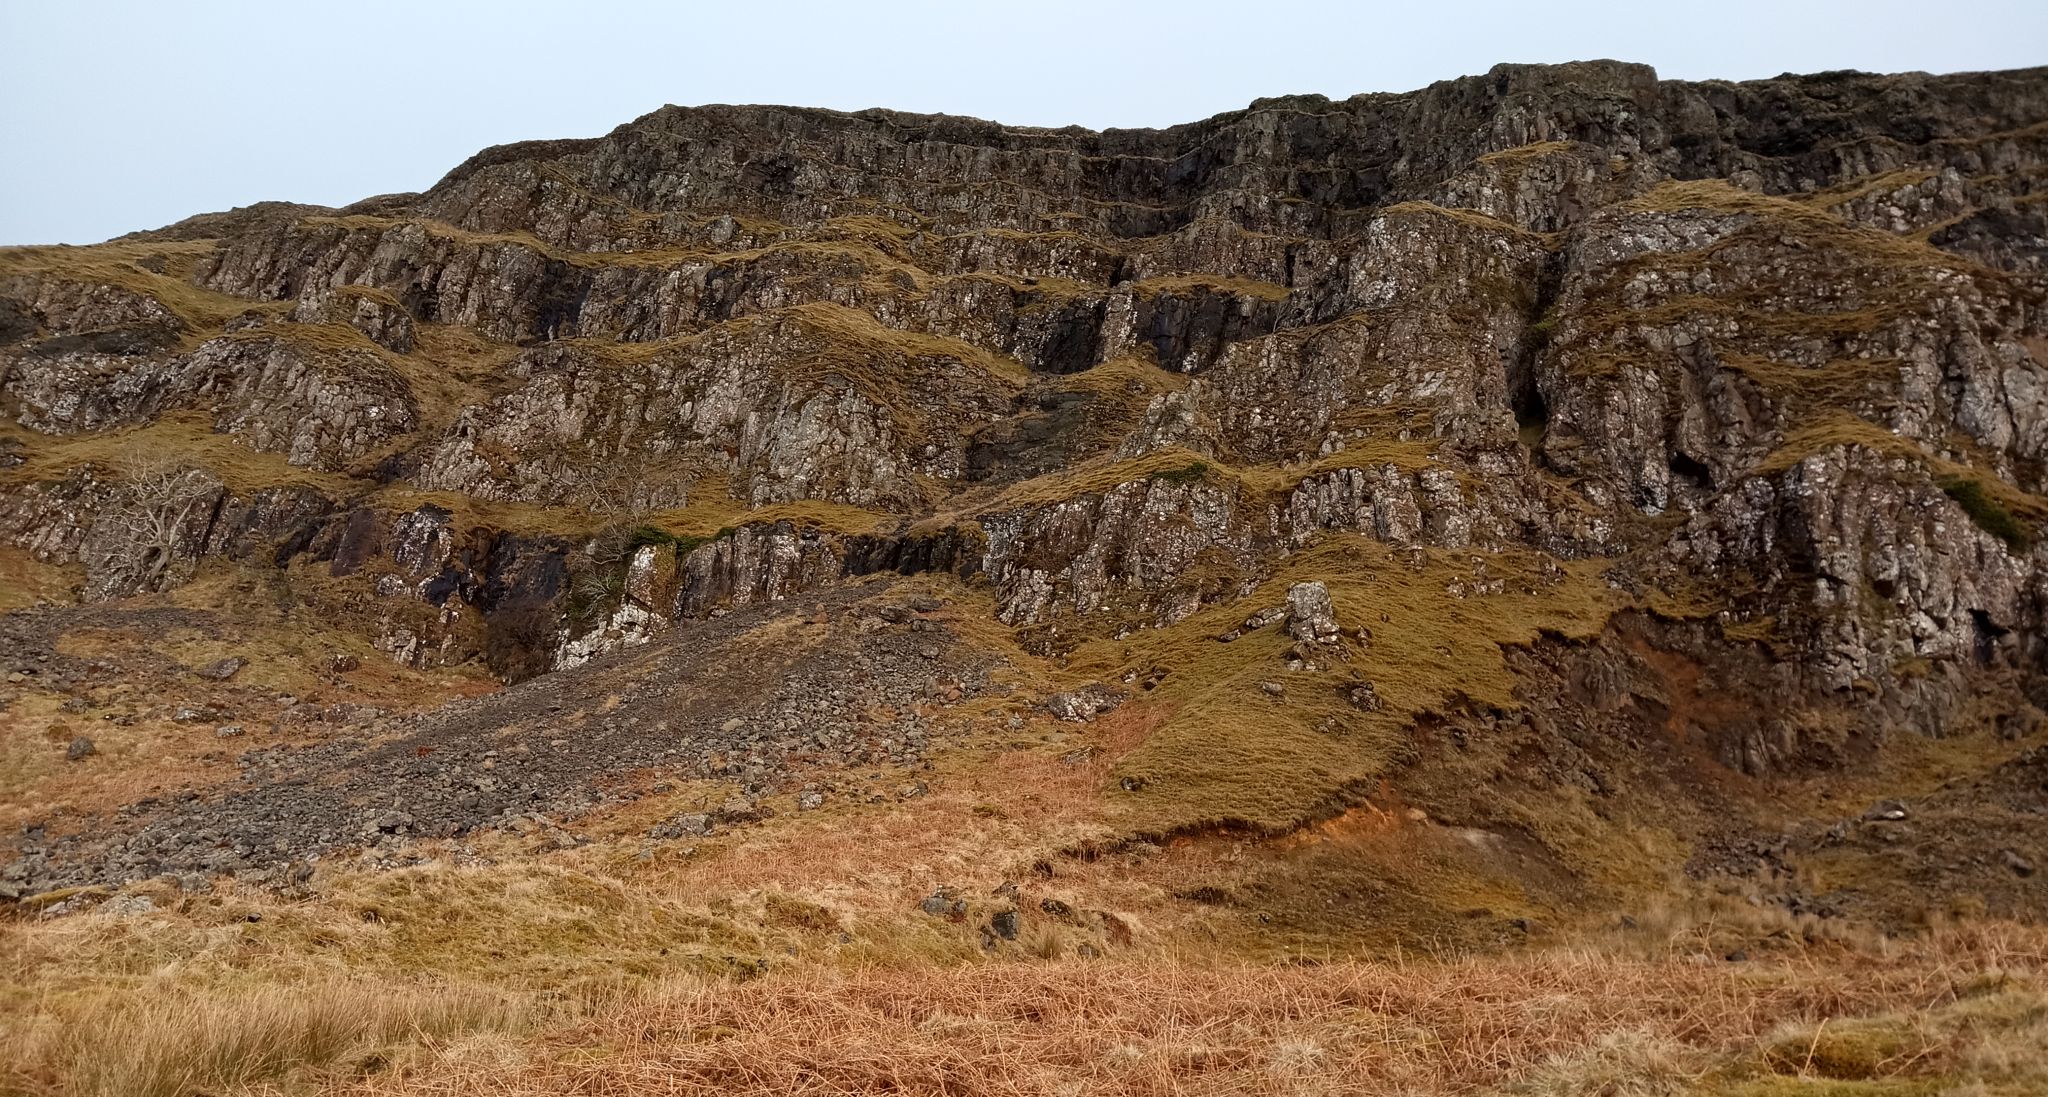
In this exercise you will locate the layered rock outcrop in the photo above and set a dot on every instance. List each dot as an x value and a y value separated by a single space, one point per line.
1773 350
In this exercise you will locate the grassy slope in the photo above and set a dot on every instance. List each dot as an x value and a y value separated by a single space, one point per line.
1228 752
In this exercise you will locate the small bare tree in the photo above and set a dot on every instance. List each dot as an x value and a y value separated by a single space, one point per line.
632 485
147 533
622 495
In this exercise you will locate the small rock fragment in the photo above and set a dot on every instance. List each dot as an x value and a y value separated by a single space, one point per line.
689 824
1084 704
220 670
1311 615
1363 697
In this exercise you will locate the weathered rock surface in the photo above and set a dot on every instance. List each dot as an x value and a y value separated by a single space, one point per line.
1772 355
1543 307
1311 617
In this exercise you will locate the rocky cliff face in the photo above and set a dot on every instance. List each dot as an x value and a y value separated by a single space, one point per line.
1771 357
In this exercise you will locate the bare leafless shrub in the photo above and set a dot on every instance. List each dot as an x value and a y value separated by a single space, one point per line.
152 533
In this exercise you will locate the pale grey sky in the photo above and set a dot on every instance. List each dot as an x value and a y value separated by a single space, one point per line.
117 115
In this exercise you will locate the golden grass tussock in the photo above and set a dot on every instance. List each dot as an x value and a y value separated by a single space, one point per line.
542 926
712 509
1523 153
120 265
1100 474
1835 197
842 342
170 1043
467 511
1942 1012
1810 222
1121 377
1715 195
868 241
855 334
1831 384
1981 493
1178 284
1952 1008
545 926
1094 476
181 437
329 342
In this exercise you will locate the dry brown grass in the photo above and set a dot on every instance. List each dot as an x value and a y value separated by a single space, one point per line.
1103 473
1173 284
581 983
1230 753
25 580
185 437
1562 1022
541 975
1470 218
1841 194
1835 384
1522 153
1876 280
1126 376
119 264
1840 428
173 1044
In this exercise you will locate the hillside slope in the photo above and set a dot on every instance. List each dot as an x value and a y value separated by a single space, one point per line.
1446 520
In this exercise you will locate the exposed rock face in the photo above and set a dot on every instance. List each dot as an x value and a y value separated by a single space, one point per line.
1774 350
321 408
1311 616
807 404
